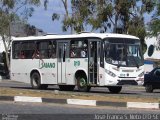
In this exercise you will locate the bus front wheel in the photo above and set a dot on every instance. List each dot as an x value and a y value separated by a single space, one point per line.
36 81
115 89
82 85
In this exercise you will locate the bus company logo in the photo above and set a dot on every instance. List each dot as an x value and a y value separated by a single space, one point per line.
43 64
76 63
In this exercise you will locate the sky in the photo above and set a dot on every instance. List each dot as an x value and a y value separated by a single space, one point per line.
42 18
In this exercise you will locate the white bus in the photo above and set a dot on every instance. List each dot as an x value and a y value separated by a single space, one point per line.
84 60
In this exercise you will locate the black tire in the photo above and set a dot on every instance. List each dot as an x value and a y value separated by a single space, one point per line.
82 84
115 89
149 88
66 87
36 81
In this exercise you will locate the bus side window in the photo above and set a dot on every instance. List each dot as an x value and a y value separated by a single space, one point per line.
43 49
22 55
36 54
72 50
78 49
16 50
84 50
52 50
72 53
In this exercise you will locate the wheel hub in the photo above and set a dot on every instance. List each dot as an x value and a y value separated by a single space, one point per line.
82 82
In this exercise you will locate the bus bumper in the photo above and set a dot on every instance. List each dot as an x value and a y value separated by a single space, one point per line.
131 82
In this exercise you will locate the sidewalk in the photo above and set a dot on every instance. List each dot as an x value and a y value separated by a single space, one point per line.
141 105
26 94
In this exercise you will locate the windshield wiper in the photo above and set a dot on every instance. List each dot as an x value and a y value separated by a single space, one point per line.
135 61
119 65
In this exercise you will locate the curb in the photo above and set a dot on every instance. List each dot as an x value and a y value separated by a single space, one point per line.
137 105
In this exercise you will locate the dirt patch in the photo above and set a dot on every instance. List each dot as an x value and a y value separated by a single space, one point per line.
73 95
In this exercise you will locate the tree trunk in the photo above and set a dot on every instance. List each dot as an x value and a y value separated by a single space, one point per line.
6 55
115 25
65 4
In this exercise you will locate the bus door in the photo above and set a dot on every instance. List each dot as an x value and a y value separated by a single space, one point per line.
63 53
94 62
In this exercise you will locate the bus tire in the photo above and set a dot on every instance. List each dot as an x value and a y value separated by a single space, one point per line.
36 81
115 89
66 87
82 85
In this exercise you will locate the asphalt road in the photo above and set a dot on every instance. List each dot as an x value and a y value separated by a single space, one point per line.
33 111
136 91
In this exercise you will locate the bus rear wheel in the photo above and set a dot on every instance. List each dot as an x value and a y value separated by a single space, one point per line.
36 81
82 85
115 89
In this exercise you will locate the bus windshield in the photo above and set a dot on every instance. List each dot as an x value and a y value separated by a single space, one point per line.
123 52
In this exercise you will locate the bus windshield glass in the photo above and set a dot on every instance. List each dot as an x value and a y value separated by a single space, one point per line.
123 52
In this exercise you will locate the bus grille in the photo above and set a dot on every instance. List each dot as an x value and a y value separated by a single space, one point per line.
127 70
127 82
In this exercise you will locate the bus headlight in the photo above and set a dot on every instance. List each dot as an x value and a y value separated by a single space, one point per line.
141 75
110 73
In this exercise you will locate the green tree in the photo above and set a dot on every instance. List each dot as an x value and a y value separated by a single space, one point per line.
136 27
10 11
109 15
155 22
81 14
100 15
67 20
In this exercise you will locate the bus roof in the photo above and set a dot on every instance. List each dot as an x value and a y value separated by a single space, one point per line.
81 35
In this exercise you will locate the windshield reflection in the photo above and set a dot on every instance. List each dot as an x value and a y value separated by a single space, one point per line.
121 54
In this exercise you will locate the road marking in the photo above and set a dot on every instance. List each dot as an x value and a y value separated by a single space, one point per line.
81 102
142 105
27 99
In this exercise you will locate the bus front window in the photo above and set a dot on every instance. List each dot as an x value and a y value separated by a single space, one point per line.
134 56
115 54
123 53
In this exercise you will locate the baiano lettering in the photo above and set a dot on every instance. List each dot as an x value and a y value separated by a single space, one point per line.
47 65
